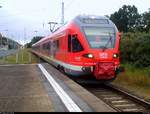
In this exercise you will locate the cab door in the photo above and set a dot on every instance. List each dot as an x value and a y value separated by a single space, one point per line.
74 49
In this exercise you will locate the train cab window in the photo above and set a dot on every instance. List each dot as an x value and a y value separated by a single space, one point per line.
74 43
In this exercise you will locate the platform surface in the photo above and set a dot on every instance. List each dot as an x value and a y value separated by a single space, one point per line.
25 88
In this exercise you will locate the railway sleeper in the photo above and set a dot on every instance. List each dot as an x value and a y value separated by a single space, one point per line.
132 110
124 105
112 98
119 101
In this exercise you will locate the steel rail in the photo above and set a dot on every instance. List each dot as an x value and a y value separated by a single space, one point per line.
117 98
129 95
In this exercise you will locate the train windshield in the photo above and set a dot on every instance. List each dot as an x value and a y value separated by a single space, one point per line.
100 37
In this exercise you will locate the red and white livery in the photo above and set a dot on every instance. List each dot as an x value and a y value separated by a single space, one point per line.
86 45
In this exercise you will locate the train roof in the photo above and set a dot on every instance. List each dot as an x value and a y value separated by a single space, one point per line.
94 20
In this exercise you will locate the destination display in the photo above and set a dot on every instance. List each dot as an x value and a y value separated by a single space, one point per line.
95 21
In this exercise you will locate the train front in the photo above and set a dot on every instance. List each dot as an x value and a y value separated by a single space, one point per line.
102 52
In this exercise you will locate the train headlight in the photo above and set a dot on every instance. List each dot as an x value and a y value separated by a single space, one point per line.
89 55
115 55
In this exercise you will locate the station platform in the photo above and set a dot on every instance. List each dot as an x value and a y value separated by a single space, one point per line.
42 88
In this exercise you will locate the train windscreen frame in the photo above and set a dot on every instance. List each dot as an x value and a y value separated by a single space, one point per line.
100 37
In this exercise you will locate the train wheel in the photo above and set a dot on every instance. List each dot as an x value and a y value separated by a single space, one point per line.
61 69
58 67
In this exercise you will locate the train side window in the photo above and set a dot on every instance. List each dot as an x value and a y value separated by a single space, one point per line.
57 44
69 43
76 45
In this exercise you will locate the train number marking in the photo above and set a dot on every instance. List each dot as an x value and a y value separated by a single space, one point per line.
103 55
78 58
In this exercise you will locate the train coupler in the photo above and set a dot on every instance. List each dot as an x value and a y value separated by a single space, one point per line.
104 70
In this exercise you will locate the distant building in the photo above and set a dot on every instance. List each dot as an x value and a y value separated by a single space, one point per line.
6 43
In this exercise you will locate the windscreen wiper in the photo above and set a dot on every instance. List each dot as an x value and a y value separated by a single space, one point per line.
110 39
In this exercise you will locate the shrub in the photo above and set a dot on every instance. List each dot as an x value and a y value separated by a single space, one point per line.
135 49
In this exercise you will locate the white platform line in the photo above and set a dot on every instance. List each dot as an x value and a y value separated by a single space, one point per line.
68 102
16 65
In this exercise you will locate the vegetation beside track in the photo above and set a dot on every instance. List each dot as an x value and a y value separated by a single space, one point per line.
136 80
135 57
24 56
135 49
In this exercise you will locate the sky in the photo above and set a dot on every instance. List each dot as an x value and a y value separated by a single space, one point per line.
20 20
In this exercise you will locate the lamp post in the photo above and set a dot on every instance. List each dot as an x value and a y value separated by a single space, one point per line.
7 38
1 39
0 33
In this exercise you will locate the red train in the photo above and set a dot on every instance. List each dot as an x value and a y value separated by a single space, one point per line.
86 45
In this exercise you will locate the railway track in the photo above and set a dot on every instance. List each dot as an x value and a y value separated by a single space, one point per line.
118 99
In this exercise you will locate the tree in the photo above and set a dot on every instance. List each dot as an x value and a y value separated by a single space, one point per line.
34 40
143 23
146 21
126 18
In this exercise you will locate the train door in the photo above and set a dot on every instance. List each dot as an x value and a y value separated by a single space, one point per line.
74 48
52 49
74 44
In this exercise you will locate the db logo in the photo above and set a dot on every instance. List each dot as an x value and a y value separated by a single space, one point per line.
103 55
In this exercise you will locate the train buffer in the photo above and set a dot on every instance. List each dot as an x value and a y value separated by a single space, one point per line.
42 88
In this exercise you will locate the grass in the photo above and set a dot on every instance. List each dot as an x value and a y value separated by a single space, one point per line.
24 57
135 80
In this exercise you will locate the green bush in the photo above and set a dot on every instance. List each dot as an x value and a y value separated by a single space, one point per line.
135 49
